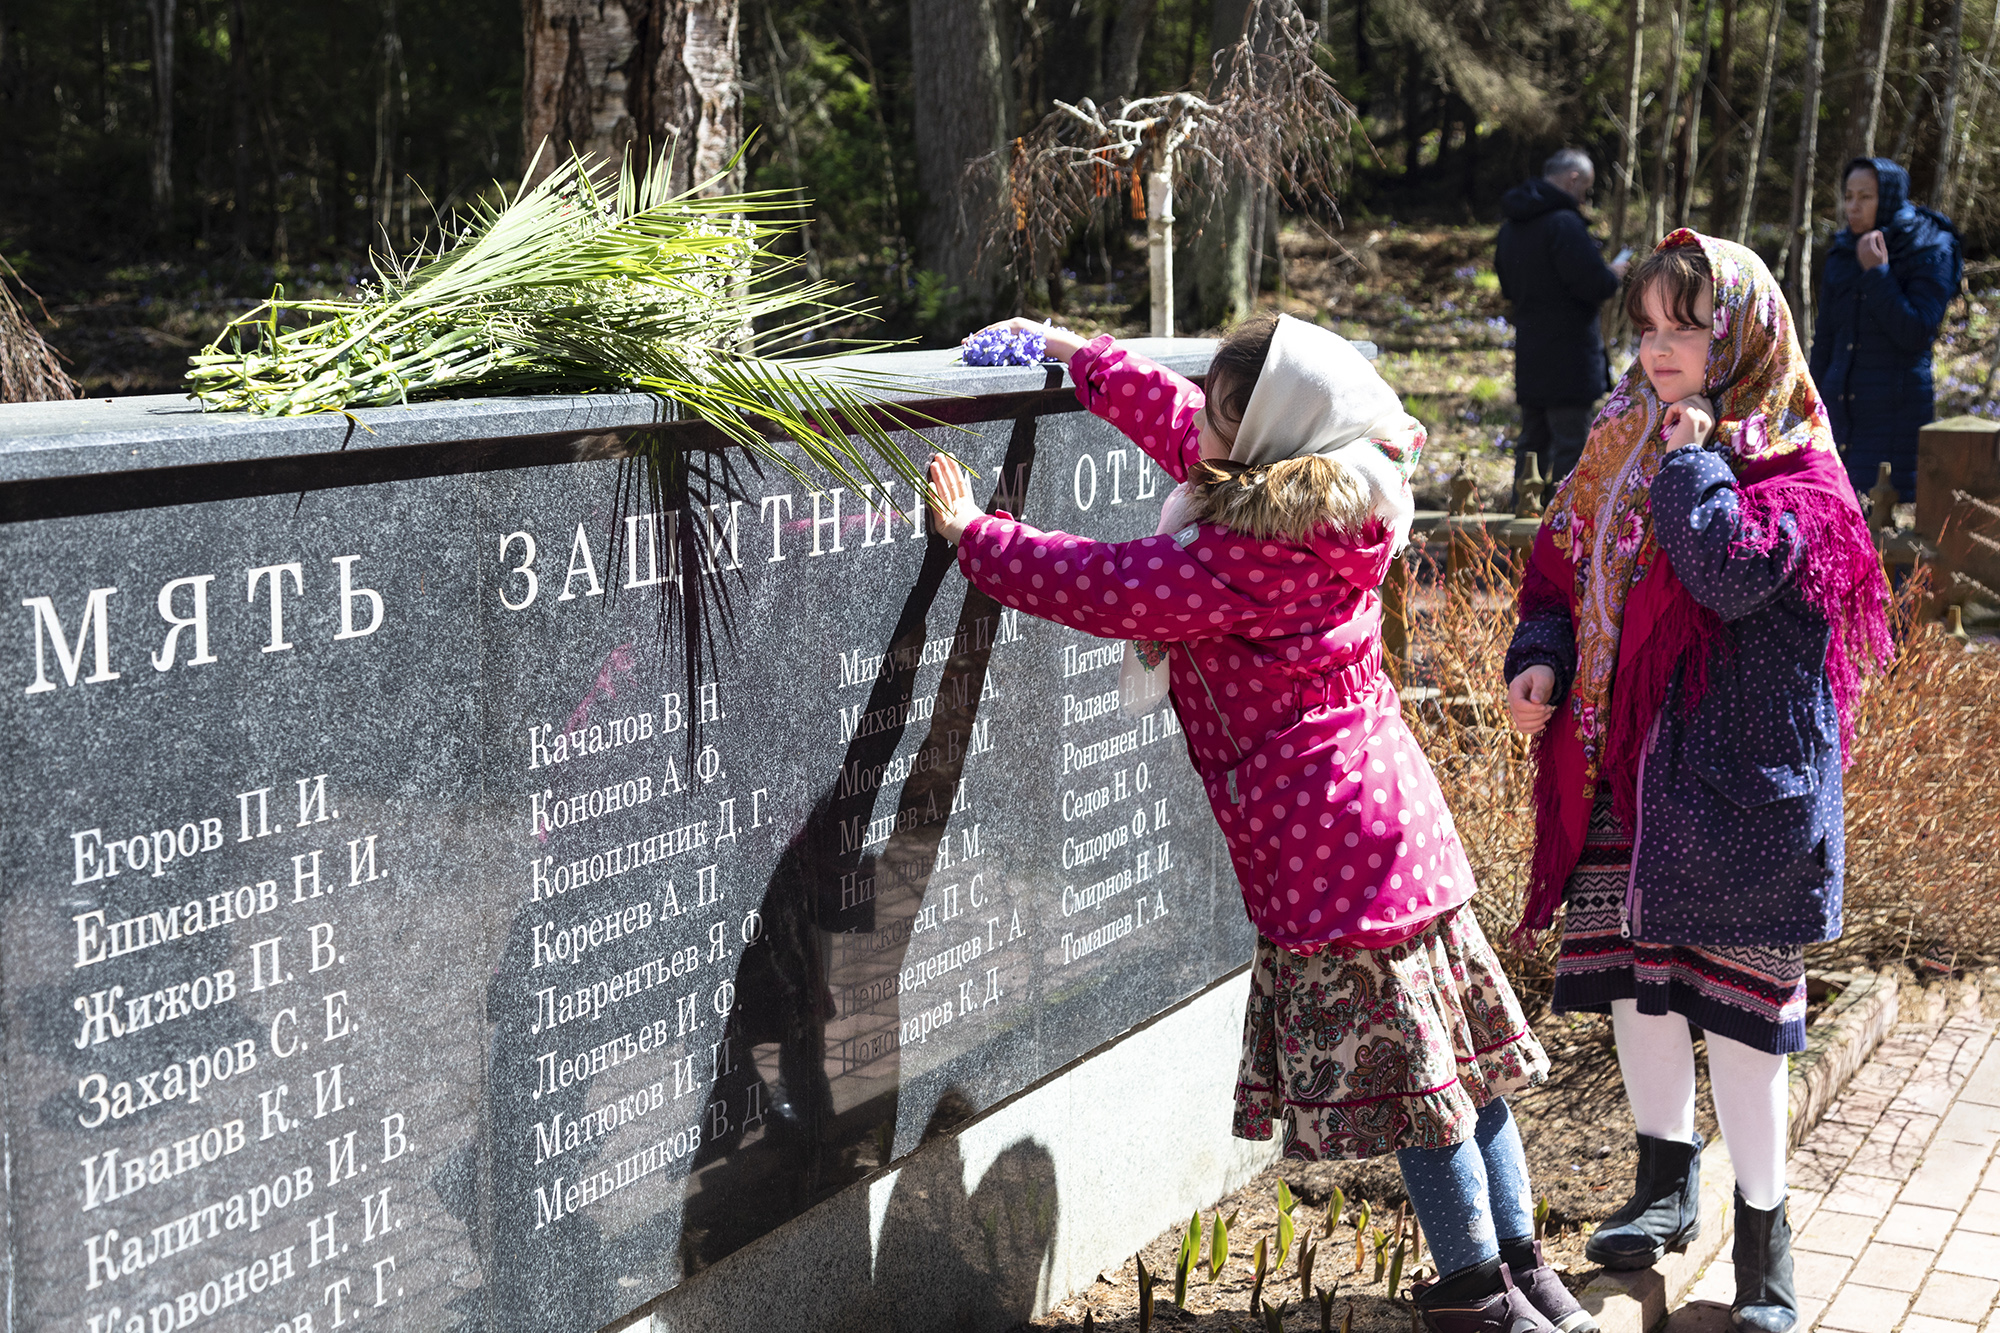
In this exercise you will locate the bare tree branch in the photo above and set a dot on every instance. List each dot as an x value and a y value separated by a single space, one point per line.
1270 116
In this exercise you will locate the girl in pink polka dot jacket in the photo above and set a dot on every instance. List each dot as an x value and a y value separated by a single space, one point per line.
1379 1020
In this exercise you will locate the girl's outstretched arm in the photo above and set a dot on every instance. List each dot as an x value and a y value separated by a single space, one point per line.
1156 408
1144 589
1152 588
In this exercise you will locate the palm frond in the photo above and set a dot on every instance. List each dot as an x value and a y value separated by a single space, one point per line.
595 279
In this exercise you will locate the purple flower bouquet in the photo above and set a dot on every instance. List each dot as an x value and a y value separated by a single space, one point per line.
1003 347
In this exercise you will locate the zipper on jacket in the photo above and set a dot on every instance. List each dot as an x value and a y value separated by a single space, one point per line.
1628 916
1235 796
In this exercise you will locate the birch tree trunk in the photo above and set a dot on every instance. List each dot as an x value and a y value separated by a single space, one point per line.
1670 101
1799 250
1878 23
1760 125
239 123
161 12
392 113
645 76
962 110
1728 123
1973 107
1628 163
1691 156
1160 240
1954 64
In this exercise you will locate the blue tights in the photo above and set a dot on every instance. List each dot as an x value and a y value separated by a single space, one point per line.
1470 1197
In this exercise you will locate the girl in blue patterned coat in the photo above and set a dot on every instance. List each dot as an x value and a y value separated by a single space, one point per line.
1702 598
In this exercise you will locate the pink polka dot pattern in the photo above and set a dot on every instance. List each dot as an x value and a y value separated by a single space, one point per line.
1341 833
1161 421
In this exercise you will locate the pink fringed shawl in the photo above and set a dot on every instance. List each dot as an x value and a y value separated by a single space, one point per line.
1635 622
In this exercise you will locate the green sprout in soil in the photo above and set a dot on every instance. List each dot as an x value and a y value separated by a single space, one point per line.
1261 1262
1218 1244
1285 1227
1325 1298
1189 1256
1145 1295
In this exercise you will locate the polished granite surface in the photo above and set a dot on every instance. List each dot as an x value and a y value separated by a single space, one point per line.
408 913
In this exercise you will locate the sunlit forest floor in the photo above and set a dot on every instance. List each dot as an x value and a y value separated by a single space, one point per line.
1427 297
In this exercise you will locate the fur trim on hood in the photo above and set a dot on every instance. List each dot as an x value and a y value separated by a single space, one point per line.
1297 497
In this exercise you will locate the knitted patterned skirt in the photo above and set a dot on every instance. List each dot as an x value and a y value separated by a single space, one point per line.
1755 994
1354 1052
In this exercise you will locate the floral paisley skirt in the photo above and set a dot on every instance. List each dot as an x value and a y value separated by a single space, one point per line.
1359 1052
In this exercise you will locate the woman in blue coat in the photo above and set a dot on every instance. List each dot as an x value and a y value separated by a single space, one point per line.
1889 276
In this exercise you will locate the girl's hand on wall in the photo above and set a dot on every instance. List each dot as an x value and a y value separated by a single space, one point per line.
1528 696
952 506
1690 421
1061 343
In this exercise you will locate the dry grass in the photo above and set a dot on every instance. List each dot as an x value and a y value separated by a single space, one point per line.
29 370
1461 622
1923 810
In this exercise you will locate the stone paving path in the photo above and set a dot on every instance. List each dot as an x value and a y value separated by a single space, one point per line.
1895 1195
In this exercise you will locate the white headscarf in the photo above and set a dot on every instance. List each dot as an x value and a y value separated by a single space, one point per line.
1317 395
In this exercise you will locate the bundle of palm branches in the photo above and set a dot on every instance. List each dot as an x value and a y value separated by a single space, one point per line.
595 279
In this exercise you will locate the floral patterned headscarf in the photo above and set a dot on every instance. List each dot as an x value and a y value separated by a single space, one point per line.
1601 518
1633 631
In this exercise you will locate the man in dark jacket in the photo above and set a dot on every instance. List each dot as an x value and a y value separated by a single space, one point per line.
1556 278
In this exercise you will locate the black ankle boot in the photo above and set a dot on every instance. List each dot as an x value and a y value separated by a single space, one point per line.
1664 1212
1766 1300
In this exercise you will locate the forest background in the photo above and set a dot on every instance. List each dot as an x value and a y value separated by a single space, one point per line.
169 161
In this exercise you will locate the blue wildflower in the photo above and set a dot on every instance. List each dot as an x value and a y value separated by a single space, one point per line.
1003 347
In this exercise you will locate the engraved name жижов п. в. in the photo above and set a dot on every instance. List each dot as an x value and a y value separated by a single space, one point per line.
410 920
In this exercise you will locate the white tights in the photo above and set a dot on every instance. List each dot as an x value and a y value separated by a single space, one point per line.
1656 1056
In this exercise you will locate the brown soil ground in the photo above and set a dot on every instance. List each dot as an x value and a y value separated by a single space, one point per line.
1579 1138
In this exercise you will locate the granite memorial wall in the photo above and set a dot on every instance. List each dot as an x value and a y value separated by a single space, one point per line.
410 919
